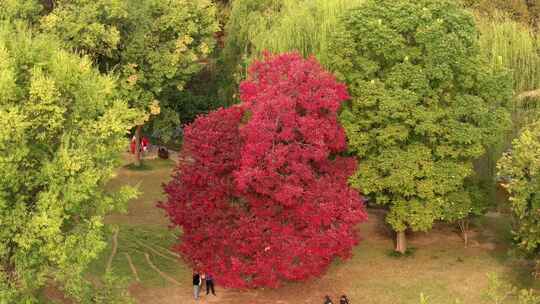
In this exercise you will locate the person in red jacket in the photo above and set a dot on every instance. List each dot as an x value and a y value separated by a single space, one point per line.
133 144
144 144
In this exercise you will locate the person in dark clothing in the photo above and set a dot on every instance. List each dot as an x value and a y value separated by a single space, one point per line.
344 300
210 284
327 300
196 284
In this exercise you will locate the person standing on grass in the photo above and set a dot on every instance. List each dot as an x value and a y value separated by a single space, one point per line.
210 284
144 144
196 284
344 300
133 145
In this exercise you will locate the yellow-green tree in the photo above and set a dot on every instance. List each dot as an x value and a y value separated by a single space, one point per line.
27 10
62 131
521 166
153 46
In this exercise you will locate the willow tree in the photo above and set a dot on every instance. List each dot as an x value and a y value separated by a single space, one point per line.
423 106
513 45
256 26
153 46
510 44
62 132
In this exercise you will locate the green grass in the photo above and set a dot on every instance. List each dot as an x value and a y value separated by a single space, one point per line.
440 267
152 164
145 223
142 211
129 241
444 272
409 252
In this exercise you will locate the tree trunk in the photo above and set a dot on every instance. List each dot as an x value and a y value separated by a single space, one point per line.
536 273
7 265
401 242
138 161
464 227
48 5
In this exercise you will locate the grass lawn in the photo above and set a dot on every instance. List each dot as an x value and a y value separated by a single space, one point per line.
142 230
440 267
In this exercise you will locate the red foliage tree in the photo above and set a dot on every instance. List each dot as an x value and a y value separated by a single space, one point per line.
267 200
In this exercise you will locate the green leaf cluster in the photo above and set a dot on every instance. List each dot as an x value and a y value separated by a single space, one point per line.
521 166
89 27
279 26
62 131
152 46
424 105
27 10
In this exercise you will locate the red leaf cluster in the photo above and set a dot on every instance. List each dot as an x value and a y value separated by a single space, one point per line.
264 197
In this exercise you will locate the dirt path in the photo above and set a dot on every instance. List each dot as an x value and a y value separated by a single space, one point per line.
114 248
132 267
179 295
161 273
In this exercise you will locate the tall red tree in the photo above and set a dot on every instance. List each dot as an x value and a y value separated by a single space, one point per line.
264 197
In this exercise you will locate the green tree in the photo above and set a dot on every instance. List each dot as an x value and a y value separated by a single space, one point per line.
522 167
423 105
153 46
89 27
461 206
27 10
62 131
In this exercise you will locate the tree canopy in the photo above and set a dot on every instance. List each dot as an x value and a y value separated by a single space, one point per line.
265 196
26 10
62 131
423 104
153 46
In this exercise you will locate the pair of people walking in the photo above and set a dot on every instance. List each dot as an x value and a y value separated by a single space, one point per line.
197 284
